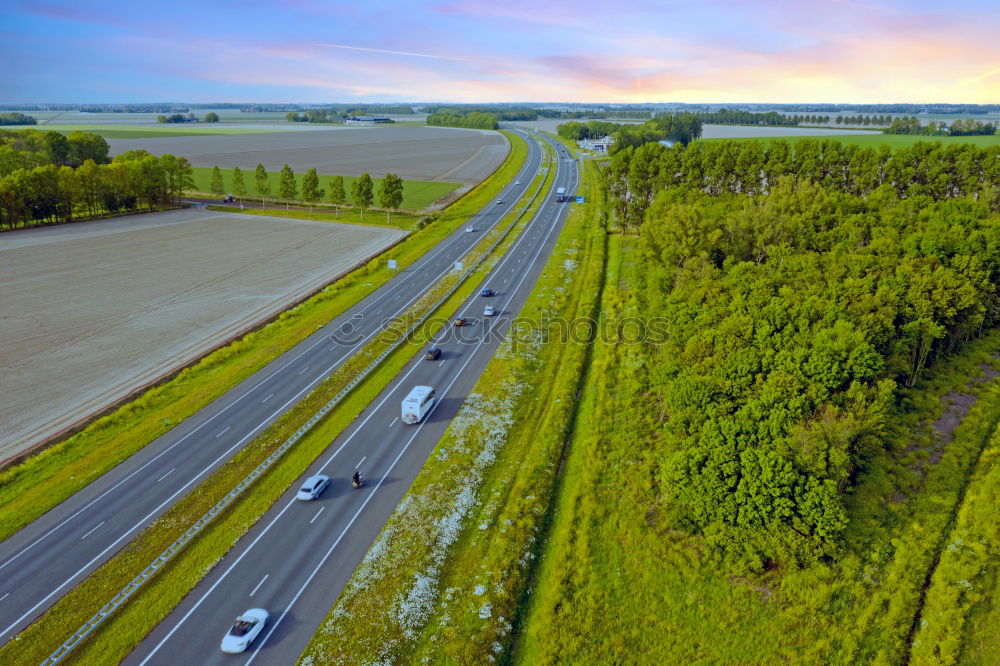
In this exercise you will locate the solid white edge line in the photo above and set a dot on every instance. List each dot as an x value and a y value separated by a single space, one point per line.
437 250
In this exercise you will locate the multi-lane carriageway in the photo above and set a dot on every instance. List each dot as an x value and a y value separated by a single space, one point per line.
298 557
44 560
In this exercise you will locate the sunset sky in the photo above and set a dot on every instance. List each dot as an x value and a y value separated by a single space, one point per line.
505 50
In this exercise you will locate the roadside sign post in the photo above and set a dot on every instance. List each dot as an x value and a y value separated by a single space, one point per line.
392 265
458 265
579 199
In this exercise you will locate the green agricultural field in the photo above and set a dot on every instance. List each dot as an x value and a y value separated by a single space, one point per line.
874 140
417 194
142 131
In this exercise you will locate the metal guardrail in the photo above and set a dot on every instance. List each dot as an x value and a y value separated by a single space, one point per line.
126 592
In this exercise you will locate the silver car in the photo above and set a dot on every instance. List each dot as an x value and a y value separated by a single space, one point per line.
312 487
246 628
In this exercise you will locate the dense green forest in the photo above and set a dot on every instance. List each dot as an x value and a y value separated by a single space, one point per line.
471 120
789 318
47 177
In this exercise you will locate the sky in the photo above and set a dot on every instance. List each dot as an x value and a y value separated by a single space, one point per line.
610 51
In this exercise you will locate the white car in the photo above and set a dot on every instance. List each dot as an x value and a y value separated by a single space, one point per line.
246 628
469 230
489 311
499 201
517 182
312 487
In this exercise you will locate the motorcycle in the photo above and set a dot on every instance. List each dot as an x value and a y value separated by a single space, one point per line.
358 481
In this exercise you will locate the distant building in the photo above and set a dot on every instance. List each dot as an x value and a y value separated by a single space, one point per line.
369 119
597 145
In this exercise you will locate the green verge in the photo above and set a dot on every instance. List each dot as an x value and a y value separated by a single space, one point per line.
959 619
400 220
123 631
611 583
32 487
417 194
448 571
876 140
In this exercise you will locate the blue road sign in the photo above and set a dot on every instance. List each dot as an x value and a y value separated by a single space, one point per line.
579 199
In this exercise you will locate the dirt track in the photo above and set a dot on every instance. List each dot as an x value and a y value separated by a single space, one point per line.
89 312
420 153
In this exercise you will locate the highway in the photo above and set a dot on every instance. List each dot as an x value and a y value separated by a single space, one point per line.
47 558
295 561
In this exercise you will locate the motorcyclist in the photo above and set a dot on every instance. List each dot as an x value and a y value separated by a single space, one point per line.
357 479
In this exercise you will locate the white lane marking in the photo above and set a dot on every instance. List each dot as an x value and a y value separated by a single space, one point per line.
269 396
394 422
289 504
223 432
358 466
458 238
92 530
266 576
4 596
303 369
165 475
317 514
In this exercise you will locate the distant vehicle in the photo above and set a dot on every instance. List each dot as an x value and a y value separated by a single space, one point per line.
417 404
433 354
312 487
489 311
246 628
469 230
561 194
460 321
229 199
517 182
486 292
499 201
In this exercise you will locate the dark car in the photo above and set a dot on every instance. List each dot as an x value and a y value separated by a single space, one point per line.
229 199
433 354
486 292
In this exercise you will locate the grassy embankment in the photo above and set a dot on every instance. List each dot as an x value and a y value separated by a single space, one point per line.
127 628
417 194
875 140
32 487
612 585
447 573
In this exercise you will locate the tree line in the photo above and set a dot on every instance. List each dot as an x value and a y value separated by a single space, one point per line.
15 118
967 127
878 121
734 117
54 192
799 290
210 117
471 120
289 191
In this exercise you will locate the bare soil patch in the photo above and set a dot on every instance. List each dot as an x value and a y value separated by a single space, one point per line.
418 153
92 312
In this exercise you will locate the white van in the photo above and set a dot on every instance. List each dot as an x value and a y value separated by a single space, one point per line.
417 404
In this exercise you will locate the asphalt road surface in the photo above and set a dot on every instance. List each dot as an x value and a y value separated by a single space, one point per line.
297 558
47 558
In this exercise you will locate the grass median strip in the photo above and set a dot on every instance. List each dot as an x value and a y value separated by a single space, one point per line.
447 573
32 487
125 629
